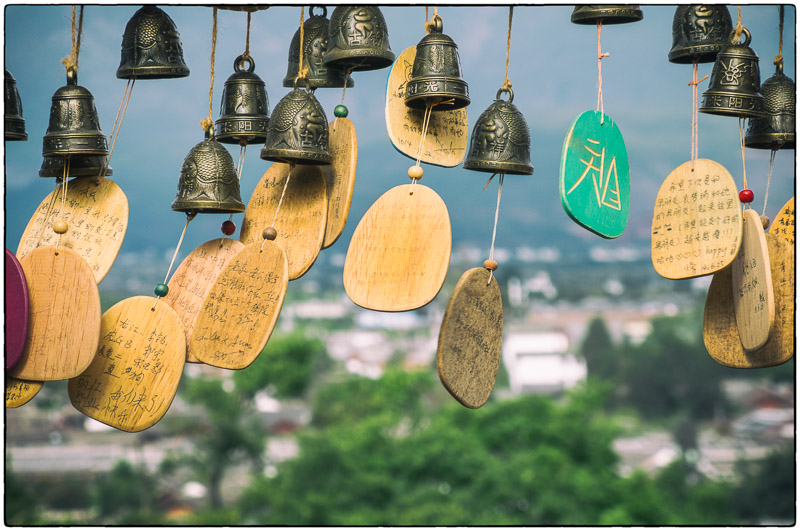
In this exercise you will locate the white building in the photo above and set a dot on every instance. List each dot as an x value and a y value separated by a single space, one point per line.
539 362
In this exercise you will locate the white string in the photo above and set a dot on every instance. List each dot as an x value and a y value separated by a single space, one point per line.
280 202
494 231
769 178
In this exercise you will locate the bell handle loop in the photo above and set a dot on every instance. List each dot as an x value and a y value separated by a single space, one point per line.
305 79
72 75
311 11
239 62
507 91
436 24
746 34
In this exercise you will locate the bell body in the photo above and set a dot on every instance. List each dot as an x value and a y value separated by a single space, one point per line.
358 39
208 181
79 166
244 112
608 13
151 47
298 131
775 129
501 141
14 122
699 32
436 74
733 89
74 127
315 44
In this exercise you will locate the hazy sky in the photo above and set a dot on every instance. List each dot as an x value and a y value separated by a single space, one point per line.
553 70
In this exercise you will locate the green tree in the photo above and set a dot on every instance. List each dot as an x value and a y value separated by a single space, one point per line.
22 505
127 496
766 491
599 352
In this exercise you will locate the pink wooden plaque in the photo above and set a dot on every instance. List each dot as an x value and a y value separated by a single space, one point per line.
16 310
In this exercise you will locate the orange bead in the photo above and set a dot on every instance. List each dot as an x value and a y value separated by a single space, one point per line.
60 227
415 173
491 265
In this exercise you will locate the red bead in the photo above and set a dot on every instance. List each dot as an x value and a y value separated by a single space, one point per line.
746 196
228 227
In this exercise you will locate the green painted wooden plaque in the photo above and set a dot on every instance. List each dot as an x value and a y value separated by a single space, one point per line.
595 179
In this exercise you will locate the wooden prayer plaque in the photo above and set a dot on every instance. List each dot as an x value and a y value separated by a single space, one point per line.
720 333
194 278
340 177
97 216
400 251
697 227
242 307
65 315
448 131
20 392
134 377
753 300
301 219
471 339
783 225
595 180
17 310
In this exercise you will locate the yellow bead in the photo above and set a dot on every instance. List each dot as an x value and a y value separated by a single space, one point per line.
765 222
491 265
415 173
60 227
270 233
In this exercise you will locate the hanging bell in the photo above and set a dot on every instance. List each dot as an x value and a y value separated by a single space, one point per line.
244 113
774 130
208 183
436 74
74 126
735 80
15 123
151 47
607 13
358 39
501 141
315 44
298 131
699 32
79 166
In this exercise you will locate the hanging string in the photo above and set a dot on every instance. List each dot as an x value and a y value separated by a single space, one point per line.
346 78
496 214
208 123
769 178
246 54
600 57
430 24
779 58
118 124
739 28
507 83
63 197
302 71
741 140
71 61
695 114
53 199
280 201
239 170
189 217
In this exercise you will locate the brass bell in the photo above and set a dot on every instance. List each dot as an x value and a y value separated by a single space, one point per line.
15 123
315 44
699 32
774 130
208 183
298 131
151 47
501 141
735 80
358 39
74 126
436 74
607 13
244 113
79 166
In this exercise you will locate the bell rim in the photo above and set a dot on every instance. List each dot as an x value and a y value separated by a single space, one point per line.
152 72
208 207
90 171
258 136
703 53
313 83
342 60
288 156
509 168
756 112
770 141
15 129
460 102
636 15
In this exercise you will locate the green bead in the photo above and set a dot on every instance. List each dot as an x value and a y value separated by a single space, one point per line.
161 290
340 111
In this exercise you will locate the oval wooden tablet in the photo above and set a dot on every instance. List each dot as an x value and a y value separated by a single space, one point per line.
697 221
134 377
753 300
471 338
97 215
20 392
720 333
783 225
64 323
301 219
193 280
17 310
448 131
400 251
242 307
595 179
340 177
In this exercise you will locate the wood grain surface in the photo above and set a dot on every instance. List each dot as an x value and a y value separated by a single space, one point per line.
133 379
753 299
302 217
194 279
242 307
340 177
97 216
720 333
20 392
783 225
65 315
448 131
400 251
697 221
471 339
17 310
